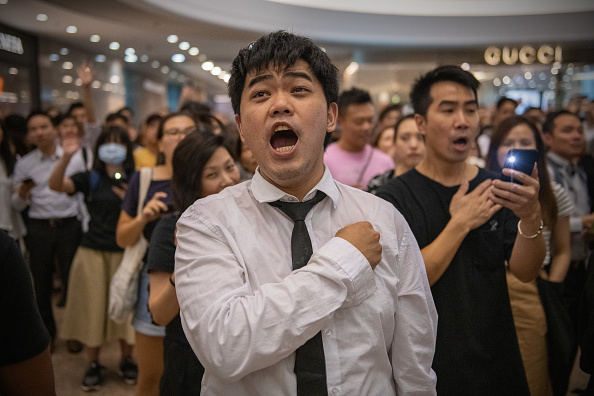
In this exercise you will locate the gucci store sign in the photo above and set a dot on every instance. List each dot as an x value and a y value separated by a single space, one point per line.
527 55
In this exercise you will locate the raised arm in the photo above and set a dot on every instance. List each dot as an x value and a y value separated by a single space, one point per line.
85 73
57 181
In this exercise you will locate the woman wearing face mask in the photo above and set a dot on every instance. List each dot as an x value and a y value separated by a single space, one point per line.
159 200
98 256
202 166
556 206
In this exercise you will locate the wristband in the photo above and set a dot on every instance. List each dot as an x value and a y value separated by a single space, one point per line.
173 283
530 236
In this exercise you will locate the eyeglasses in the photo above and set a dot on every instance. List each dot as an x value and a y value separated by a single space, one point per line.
177 131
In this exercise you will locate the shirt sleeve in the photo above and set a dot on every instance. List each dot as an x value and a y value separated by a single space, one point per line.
161 255
233 328
415 331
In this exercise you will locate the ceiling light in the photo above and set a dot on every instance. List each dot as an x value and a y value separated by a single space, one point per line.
114 79
114 45
64 51
184 45
100 58
13 71
155 64
554 71
506 80
165 69
78 82
144 58
528 75
227 77
3 1
352 68
67 65
216 71
71 29
107 87
96 84
193 51
130 51
497 82
41 17
172 38
95 38
67 79
207 65
532 84
178 58
173 74
465 66
131 58
54 57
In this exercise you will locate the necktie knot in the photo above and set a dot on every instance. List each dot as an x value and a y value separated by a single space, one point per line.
297 211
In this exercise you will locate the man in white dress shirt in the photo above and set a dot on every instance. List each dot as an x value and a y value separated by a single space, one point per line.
244 310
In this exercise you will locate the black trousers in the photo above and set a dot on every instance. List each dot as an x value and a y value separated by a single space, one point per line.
46 241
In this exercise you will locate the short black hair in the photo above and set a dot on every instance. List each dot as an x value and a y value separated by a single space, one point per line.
549 124
420 95
387 109
505 99
36 113
116 116
75 105
281 49
353 96
62 117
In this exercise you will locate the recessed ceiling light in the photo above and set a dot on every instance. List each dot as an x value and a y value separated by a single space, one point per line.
207 65
54 57
64 51
41 17
144 58
184 45
96 84
165 69
193 51
13 71
95 38
131 58
227 77
114 45
172 38
3 1
155 64
71 29
465 66
67 65
114 79
100 58
130 51
178 58
67 79
216 71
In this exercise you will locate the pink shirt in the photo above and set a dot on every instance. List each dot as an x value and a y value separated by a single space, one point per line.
356 169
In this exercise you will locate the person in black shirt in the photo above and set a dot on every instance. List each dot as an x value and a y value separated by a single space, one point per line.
465 224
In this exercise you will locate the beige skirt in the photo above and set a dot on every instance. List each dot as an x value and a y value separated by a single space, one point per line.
531 329
85 317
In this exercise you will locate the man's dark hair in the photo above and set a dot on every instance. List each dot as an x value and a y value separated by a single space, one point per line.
420 95
353 96
61 118
36 113
549 123
504 100
116 116
282 49
387 109
75 105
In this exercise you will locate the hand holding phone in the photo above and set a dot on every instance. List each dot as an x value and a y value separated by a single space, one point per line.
522 160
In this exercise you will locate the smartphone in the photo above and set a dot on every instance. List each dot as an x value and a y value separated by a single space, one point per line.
522 160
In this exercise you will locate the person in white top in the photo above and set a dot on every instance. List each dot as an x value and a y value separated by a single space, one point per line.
244 310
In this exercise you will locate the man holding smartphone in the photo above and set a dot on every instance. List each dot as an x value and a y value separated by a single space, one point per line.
466 224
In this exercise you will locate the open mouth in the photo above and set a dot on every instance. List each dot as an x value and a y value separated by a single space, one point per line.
283 139
461 141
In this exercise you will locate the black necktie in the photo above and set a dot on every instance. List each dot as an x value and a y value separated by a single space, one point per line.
310 364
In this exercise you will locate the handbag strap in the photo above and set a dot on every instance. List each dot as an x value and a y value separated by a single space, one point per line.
146 174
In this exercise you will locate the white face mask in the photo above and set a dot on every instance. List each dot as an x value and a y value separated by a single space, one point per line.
112 153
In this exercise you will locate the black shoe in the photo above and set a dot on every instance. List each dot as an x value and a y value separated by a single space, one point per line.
129 370
93 378
74 346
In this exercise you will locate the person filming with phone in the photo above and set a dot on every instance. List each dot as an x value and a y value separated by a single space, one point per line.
466 223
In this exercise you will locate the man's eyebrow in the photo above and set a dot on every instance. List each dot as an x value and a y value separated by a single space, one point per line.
258 79
453 103
296 74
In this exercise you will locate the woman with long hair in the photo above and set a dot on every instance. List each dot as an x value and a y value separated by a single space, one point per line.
529 317
159 200
202 166
10 220
86 318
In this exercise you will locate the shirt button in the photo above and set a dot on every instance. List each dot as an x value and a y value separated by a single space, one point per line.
328 332
334 391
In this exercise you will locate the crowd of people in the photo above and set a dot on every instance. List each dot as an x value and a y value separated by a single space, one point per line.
427 270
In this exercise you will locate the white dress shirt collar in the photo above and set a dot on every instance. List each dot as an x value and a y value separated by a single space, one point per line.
264 191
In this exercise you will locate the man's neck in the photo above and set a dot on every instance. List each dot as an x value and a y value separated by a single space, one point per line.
48 150
446 173
345 146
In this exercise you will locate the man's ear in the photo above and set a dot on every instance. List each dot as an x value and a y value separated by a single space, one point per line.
332 117
547 138
421 123
238 123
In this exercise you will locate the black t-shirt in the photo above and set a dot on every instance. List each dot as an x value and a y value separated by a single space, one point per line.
104 209
161 257
22 332
477 350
